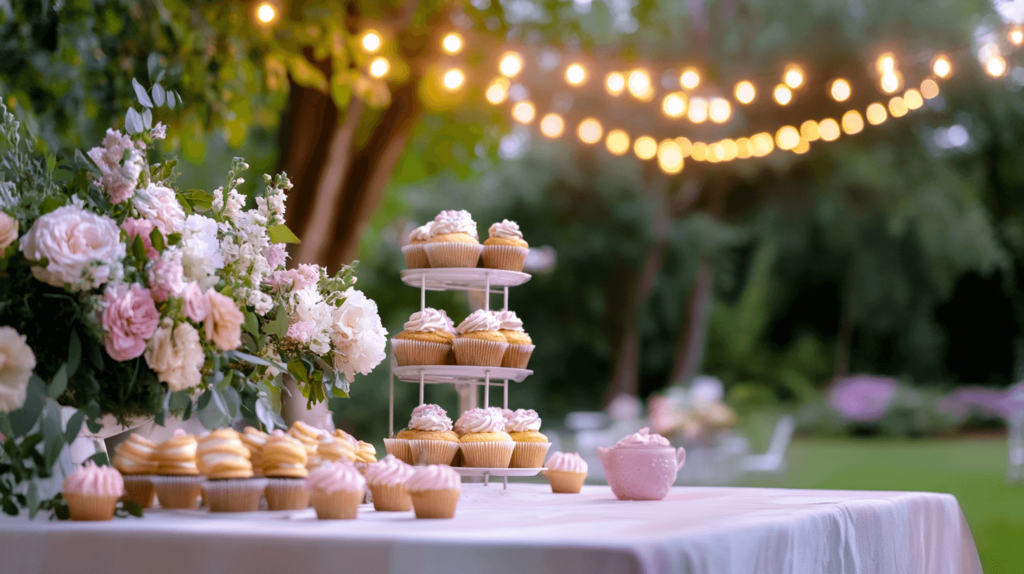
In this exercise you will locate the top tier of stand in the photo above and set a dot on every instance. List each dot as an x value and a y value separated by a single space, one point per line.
463 279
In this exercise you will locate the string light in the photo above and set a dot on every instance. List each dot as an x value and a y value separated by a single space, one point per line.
453 79
716 152
929 89
674 105
699 151
452 43
371 41
810 131
890 82
590 131
886 63
913 99
995 66
787 137
794 76
941 66
698 111
875 114
266 13
689 79
497 91
575 74
617 142
898 107
510 64
645 147
670 157
782 95
743 148
731 149
615 83
552 125
840 90
719 110
802 147
685 146
379 67
762 144
1016 36
639 83
829 129
523 112
745 92
852 122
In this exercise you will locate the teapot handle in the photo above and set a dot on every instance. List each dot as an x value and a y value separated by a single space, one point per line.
680 458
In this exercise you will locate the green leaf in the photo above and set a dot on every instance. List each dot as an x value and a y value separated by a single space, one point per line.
140 93
49 204
30 443
23 419
139 249
174 239
83 162
132 508
74 353
100 459
53 434
74 426
298 370
33 499
281 234
188 412
225 382
279 326
306 74
59 383
204 400
178 400
157 239
51 162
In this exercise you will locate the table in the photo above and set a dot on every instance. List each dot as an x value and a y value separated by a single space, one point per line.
526 529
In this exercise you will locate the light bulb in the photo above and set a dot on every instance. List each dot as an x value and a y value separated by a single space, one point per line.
575 74
840 90
995 66
929 89
942 67
698 111
510 64
743 148
745 92
1016 36
615 83
670 157
371 42
452 43
890 82
552 125
699 151
886 63
590 131
523 112
497 91
898 107
453 79
829 129
852 122
913 99
810 131
802 147
617 142
794 76
875 114
762 144
719 110
782 95
379 67
787 137
639 83
674 105
689 79
266 13
645 147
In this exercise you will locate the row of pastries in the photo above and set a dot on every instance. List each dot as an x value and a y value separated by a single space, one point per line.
484 338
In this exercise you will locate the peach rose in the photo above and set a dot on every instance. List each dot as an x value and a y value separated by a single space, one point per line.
223 324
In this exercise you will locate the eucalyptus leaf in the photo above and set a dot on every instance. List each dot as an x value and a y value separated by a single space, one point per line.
59 383
23 419
100 459
74 353
279 326
178 400
132 122
74 426
140 93
170 100
158 95
147 118
53 434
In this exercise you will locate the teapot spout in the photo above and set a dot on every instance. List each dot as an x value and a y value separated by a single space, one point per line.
602 452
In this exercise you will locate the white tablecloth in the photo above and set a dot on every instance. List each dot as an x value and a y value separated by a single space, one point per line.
526 529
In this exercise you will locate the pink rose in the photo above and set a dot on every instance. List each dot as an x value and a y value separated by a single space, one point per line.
165 276
224 322
135 227
129 319
305 276
195 305
301 331
275 254
8 231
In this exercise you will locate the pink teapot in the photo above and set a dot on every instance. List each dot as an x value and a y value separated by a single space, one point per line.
642 466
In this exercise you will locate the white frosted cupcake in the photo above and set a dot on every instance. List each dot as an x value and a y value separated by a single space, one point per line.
429 437
414 252
92 492
434 491
337 490
505 247
520 345
566 472
386 480
479 342
484 442
454 241
425 340
531 444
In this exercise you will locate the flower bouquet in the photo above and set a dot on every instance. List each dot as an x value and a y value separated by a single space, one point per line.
122 296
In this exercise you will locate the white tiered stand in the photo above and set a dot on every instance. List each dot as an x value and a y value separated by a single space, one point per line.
490 281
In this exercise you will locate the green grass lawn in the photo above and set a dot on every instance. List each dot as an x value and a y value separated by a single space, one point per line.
973 470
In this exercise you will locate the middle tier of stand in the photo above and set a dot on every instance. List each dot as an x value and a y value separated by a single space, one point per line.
440 374
463 279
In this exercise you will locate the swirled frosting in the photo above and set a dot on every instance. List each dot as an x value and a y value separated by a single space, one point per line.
135 456
644 438
284 456
222 453
335 477
480 420
177 455
422 233
523 420
427 321
390 471
434 477
95 480
430 418
366 452
509 321
505 229
333 448
448 321
452 221
566 462
479 320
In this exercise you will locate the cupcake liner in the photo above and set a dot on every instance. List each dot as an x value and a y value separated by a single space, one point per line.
390 497
415 256
433 451
517 356
435 503
178 491
341 504
453 254
399 447
490 454
90 506
459 460
234 495
138 488
565 482
411 352
529 454
507 257
478 352
287 494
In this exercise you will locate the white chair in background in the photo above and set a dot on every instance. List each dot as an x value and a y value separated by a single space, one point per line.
774 459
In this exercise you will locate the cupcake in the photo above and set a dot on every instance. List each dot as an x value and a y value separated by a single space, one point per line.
177 480
454 241
566 472
386 480
434 491
414 252
505 247
336 447
478 341
92 492
254 439
366 454
337 490
426 339
531 445
229 486
430 436
520 345
309 436
484 442
134 460
284 464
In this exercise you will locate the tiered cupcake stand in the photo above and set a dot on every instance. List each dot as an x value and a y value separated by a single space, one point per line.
488 281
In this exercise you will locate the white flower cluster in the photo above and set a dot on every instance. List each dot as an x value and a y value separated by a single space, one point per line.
244 243
308 308
358 336
201 257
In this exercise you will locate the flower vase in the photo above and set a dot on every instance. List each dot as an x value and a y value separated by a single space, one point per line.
293 408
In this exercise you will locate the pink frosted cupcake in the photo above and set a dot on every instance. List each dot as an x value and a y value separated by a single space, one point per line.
520 345
386 480
415 252
337 490
531 444
425 340
566 472
454 241
483 441
505 247
434 491
429 438
479 341
92 492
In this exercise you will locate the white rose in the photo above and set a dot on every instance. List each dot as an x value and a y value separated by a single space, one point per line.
8 231
200 250
357 334
16 363
176 355
71 239
160 205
